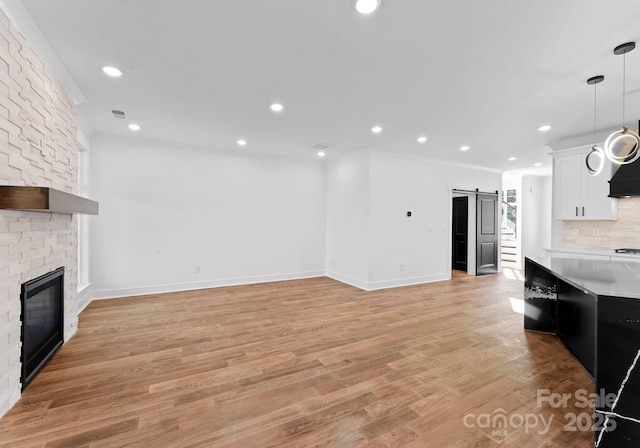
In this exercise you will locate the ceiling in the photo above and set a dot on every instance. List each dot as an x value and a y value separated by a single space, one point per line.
482 73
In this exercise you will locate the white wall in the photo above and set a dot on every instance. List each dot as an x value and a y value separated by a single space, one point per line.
546 211
348 220
534 205
165 209
535 216
371 243
422 243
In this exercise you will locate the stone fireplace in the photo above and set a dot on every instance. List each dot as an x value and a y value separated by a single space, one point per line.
38 147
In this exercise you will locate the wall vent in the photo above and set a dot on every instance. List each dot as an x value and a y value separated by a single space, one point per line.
118 114
319 146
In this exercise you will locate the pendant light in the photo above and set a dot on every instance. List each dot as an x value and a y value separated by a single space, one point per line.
622 146
595 158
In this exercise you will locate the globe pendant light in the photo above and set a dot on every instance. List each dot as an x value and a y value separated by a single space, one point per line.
595 158
622 146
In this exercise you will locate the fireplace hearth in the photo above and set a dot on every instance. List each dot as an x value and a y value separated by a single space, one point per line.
42 322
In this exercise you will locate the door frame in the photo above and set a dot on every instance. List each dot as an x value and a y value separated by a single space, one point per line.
455 191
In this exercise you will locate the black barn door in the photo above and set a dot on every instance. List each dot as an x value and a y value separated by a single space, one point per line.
460 230
487 234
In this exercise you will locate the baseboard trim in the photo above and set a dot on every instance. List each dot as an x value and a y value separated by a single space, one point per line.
84 297
360 284
89 294
190 286
386 284
374 286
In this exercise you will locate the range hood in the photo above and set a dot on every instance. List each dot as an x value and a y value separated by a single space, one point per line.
626 181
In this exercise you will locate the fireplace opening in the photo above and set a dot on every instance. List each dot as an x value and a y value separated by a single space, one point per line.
42 322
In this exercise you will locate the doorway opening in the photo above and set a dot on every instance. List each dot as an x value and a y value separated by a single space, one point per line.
475 232
460 229
510 246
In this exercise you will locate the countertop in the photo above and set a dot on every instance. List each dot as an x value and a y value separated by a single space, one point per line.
596 252
600 277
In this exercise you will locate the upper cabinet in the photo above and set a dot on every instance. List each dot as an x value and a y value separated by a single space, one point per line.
576 194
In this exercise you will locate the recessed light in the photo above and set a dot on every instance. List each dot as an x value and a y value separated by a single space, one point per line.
511 159
464 148
422 139
376 129
537 164
321 154
114 72
277 107
134 127
242 142
366 6
544 128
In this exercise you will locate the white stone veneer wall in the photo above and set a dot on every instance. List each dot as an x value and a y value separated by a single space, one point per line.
38 147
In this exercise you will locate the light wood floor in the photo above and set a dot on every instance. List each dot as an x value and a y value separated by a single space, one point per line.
301 363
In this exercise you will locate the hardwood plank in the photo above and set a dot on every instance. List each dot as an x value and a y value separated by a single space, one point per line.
300 363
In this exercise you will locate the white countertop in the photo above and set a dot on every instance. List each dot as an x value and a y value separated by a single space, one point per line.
601 277
598 253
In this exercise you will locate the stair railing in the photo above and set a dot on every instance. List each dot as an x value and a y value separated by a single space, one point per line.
509 217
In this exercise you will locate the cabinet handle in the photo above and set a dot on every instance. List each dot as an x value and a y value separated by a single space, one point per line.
582 211
576 211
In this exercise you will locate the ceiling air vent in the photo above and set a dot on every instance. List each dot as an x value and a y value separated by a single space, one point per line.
118 114
319 146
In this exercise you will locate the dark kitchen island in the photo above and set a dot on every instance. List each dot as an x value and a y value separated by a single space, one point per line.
593 306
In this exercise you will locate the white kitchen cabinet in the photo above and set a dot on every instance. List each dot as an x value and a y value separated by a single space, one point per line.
576 194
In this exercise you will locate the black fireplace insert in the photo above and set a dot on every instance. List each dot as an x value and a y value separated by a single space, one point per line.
42 322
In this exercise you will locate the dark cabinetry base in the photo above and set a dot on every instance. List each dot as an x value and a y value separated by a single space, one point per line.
575 300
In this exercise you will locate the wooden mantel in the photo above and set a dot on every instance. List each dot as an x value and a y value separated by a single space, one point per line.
44 199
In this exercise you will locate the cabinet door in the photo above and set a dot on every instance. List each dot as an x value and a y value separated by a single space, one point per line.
567 187
577 195
595 192
577 324
540 298
618 375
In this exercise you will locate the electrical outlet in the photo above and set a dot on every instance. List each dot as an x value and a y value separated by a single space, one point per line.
196 269
401 267
596 232
576 231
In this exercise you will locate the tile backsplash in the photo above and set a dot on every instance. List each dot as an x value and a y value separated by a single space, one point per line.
607 235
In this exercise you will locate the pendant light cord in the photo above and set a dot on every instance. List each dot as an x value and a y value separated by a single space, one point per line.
624 85
595 108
